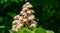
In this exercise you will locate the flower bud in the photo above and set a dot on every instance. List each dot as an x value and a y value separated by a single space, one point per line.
27 5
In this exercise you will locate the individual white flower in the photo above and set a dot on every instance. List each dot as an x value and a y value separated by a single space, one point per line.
24 5
17 17
32 25
27 3
25 9
32 11
15 22
16 29
29 12
24 15
13 27
29 6
21 12
33 21
31 17
25 20
19 25
20 18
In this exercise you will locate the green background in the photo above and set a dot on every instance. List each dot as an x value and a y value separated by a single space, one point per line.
47 13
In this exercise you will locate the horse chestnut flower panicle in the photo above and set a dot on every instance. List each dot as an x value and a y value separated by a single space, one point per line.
26 16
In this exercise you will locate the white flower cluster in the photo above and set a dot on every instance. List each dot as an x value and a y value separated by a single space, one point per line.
26 19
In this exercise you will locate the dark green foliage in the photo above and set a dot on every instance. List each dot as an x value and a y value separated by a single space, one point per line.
47 13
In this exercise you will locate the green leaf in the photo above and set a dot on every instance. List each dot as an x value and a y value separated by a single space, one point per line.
26 30
48 31
39 30
35 2
11 14
0 19
20 31
11 31
7 2
17 1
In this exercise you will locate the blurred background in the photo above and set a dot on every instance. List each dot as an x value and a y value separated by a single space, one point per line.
47 13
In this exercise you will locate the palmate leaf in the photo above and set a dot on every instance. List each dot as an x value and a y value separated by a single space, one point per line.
11 31
20 31
24 30
39 30
36 30
48 31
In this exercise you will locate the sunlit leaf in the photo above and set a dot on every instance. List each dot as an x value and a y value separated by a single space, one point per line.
48 31
39 30
26 30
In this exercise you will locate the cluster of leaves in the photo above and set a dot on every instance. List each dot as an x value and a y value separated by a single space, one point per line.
36 30
47 13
